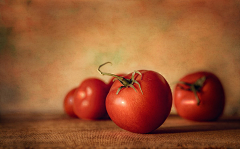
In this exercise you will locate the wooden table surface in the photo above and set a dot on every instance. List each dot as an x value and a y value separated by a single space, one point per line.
60 131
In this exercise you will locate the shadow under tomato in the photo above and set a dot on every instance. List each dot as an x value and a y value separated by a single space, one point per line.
211 126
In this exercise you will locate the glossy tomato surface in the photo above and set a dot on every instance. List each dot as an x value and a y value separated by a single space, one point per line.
211 95
89 100
137 112
68 103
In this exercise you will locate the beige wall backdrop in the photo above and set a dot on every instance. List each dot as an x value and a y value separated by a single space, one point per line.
47 47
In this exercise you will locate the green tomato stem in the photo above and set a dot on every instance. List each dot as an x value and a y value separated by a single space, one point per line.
125 82
121 79
195 87
195 94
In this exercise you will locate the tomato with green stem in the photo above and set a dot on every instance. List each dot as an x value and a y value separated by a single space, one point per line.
89 99
68 103
139 102
199 96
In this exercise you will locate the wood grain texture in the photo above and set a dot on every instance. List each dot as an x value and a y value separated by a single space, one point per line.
61 131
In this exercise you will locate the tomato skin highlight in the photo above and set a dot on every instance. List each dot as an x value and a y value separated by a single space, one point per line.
89 100
137 112
68 103
211 95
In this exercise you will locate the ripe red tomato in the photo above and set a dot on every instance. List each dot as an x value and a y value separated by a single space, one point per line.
208 102
89 100
140 111
68 103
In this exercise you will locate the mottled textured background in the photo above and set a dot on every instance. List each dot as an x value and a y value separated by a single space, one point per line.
47 47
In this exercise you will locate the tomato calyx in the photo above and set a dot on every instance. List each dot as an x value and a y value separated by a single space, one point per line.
125 82
194 87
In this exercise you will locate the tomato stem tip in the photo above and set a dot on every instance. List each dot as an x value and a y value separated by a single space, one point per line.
125 82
